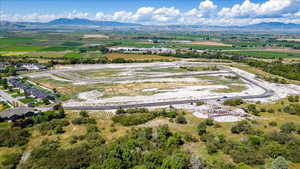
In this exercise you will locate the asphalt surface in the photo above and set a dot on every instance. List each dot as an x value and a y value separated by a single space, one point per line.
267 93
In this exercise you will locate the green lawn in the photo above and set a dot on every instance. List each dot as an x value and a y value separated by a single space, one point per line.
27 100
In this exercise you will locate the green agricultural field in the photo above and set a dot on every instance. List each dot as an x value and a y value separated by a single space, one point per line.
21 48
138 45
265 54
56 48
73 55
71 44
15 41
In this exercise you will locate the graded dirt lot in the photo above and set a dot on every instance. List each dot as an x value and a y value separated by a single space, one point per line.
112 56
139 83
210 43
97 36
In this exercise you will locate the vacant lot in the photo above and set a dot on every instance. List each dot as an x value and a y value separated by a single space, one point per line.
137 57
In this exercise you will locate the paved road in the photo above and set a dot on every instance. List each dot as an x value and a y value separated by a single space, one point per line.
267 93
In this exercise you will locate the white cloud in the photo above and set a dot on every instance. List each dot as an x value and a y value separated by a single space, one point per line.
207 7
143 14
269 8
165 14
122 16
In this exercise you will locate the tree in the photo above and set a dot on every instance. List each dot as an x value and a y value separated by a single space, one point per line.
288 127
46 101
201 128
61 112
11 160
177 161
11 71
209 121
58 129
280 163
83 114
181 120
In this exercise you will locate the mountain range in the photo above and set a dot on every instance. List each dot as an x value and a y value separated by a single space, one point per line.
79 22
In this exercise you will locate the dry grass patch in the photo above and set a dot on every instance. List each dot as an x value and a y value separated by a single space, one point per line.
138 57
95 74
97 36
210 43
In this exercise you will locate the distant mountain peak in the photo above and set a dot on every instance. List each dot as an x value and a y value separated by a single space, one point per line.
275 25
83 21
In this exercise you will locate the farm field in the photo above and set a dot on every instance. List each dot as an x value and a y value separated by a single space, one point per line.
266 54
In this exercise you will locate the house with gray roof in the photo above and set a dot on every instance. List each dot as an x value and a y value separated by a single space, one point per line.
17 113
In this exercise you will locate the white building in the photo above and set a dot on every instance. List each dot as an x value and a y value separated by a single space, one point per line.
141 50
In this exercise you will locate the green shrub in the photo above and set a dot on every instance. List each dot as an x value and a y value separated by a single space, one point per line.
180 119
209 121
233 102
201 128
133 119
10 137
288 127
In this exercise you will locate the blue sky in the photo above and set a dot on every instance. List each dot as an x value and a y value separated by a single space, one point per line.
107 6
205 12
